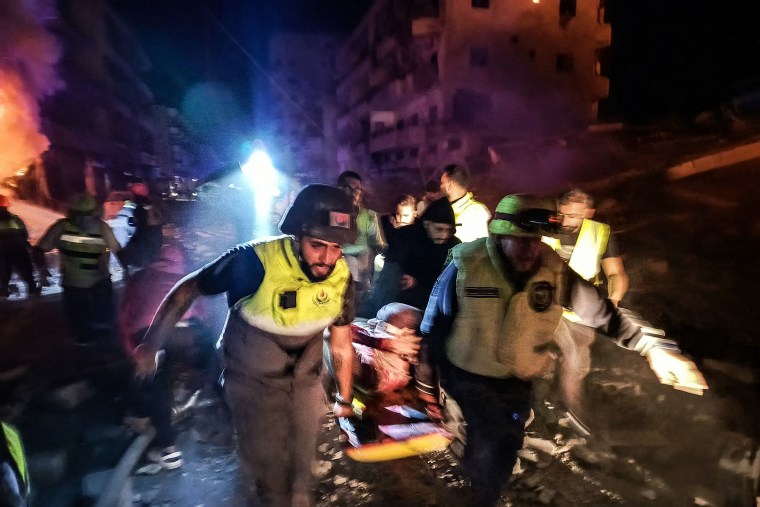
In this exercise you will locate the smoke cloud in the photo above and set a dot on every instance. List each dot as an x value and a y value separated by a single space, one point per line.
28 56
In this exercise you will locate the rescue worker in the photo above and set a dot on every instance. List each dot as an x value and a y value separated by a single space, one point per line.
84 244
471 216
14 474
144 246
403 215
14 250
588 247
360 254
282 293
489 327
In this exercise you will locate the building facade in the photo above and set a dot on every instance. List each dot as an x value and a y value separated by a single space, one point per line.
103 126
424 83
295 111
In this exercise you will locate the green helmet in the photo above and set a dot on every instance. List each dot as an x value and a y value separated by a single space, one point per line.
323 212
524 215
83 204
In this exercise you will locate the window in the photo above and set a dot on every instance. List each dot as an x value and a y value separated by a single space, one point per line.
414 152
481 4
515 39
567 8
387 156
399 154
454 143
414 120
564 63
531 54
478 57
432 148
400 124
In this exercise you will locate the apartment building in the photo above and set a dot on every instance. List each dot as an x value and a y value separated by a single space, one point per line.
295 107
100 124
423 83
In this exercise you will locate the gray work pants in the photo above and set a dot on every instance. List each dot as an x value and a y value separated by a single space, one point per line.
277 431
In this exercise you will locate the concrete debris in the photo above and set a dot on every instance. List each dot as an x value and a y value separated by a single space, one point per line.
540 444
546 496
649 494
517 469
337 455
528 455
340 479
323 448
706 497
611 386
72 395
570 444
321 468
589 457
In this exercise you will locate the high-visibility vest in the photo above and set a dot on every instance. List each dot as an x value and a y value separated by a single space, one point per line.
84 257
498 331
287 303
589 247
12 223
12 442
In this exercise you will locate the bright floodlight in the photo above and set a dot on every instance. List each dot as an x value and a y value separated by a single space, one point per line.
264 181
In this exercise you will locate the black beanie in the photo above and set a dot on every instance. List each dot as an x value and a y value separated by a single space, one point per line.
440 212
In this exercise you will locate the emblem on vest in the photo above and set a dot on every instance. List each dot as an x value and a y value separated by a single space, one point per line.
321 298
540 296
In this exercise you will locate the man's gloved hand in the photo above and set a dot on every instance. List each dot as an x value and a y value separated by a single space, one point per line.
674 369
146 362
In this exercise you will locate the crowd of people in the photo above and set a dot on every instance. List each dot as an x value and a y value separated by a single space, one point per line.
480 304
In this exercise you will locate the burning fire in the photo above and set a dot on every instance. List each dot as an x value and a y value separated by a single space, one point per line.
27 75
19 126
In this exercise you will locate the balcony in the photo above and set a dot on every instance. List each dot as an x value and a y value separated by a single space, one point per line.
392 139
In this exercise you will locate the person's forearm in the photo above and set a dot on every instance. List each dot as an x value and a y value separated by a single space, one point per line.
618 286
172 308
342 359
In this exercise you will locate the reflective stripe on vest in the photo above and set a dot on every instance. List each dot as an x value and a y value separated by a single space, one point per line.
11 224
16 449
587 254
84 257
499 332
287 303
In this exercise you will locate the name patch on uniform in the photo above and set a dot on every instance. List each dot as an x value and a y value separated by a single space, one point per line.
540 296
288 300
481 292
338 219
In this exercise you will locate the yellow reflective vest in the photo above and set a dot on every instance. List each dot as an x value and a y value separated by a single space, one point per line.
287 303
501 332
591 244
12 441
84 257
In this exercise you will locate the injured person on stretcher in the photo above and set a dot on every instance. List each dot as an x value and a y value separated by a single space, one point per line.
390 421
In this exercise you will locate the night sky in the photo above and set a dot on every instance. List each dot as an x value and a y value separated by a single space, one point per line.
669 57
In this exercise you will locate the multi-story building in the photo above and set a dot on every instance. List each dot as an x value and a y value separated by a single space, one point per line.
296 105
99 125
175 143
424 83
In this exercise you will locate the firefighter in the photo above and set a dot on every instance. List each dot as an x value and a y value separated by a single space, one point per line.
282 293
84 244
14 250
